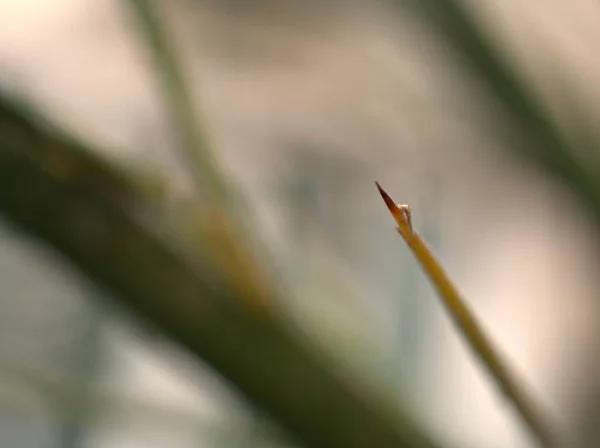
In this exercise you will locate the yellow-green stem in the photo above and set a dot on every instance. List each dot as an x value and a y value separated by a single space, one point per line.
471 330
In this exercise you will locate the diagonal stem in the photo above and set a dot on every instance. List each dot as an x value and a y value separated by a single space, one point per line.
470 328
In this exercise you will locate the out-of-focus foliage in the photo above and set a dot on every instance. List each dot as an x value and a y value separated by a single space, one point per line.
481 114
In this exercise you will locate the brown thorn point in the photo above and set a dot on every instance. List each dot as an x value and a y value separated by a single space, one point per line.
401 213
391 205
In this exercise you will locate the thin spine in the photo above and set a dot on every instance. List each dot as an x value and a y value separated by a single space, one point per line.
528 410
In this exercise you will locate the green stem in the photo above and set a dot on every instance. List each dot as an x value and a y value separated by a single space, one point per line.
197 148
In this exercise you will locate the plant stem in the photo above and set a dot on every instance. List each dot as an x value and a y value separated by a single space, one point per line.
470 328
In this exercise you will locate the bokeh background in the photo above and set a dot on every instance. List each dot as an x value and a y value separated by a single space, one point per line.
308 103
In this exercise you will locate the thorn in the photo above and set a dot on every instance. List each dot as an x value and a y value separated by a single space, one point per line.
391 205
401 213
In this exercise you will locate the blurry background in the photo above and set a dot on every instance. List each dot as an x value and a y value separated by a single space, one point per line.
309 103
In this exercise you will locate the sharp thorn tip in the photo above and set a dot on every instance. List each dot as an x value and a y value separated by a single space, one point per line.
386 198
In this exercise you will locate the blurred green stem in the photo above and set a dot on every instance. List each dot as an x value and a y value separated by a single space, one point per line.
539 139
197 148
53 190
219 220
